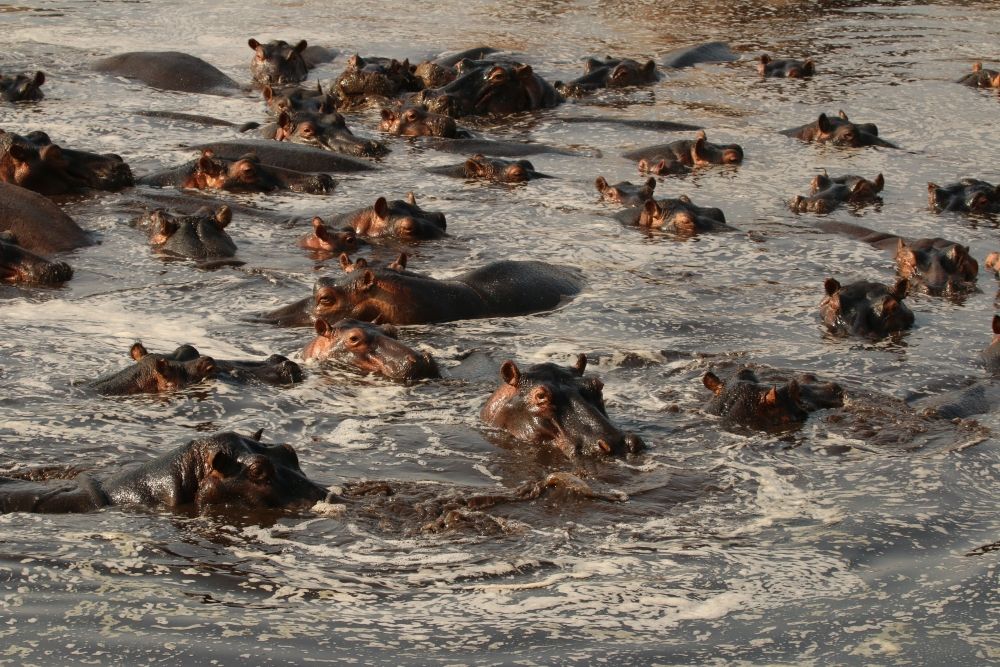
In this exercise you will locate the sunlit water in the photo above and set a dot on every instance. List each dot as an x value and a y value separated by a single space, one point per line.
861 538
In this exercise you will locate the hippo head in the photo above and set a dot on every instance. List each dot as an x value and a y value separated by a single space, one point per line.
42 168
866 309
662 166
937 265
311 100
433 75
744 401
21 87
506 88
328 131
405 220
235 470
628 72
624 192
502 171
413 121
551 403
158 374
378 77
371 349
673 215
703 152
325 240
247 174
200 236
277 62
18 265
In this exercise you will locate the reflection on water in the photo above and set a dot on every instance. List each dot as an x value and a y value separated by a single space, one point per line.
863 537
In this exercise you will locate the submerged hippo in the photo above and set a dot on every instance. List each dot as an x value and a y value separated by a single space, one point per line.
827 193
34 162
323 240
490 87
624 192
245 174
981 78
680 156
399 219
370 348
865 308
286 155
154 374
937 266
373 80
548 403
415 121
275 369
970 195
610 73
295 98
201 235
21 87
221 469
839 131
792 69
680 216
169 70
39 225
277 62
395 295
493 169
742 400
327 130
20 266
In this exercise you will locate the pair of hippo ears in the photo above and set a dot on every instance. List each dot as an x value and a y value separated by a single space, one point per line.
714 384
510 373
262 52
381 205
325 329
896 292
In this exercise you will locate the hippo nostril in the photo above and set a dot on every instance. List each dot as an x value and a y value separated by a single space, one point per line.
634 443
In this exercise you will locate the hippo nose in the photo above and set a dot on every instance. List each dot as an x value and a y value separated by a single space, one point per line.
57 272
634 443
320 184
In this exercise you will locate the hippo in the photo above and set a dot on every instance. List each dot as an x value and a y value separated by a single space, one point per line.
399 219
827 193
277 63
34 162
275 369
21 87
220 469
865 308
839 131
328 131
169 70
296 98
246 174
991 355
370 348
742 400
484 168
970 195
610 73
154 374
395 295
40 226
680 216
371 80
286 155
549 403
415 121
198 236
792 69
981 78
687 152
322 240
490 87
20 266
624 192
709 52
937 266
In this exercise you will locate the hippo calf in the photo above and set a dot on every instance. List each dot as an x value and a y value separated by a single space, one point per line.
370 348
277 62
548 403
970 195
680 156
981 78
793 69
323 240
828 192
493 169
221 469
742 400
21 87
246 174
839 131
20 266
415 121
865 308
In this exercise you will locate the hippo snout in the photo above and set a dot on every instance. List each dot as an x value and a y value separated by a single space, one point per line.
319 184
633 443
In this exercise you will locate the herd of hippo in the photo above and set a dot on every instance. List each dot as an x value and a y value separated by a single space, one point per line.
356 315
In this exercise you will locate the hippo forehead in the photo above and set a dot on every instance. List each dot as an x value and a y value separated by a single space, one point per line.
246 449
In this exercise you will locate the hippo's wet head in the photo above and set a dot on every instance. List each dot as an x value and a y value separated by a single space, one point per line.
371 349
277 62
18 265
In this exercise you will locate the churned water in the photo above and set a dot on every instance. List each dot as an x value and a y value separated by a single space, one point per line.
866 537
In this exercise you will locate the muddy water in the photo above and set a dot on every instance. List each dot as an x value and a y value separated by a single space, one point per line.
860 538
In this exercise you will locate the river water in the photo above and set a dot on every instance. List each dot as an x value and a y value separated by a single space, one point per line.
862 538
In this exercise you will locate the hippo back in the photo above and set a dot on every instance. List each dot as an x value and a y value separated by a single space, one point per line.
39 225
516 288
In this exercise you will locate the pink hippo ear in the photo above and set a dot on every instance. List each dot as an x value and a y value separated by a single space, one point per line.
411 198
843 115
509 373
322 327
253 43
712 382
771 397
267 92
345 262
651 208
388 115
879 182
899 289
137 351
367 279
400 263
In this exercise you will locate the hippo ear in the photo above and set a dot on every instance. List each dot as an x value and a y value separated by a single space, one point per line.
253 43
698 149
685 199
651 208
996 324
603 445
823 123
712 382
322 327
224 216
367 280
524 71
650 185
831 286
400 263
809 67
879 182
591 64
20 153
345 262
793 390
860 186
411 198
601 184
206 164
160 366
771 397
700 134
267 92
901 248
899 289
318 225
166 228
298 48
256 435
649 67
509 373
581 364
995 81
843 115
388 115
381 208
764 59
137 351
39 78
473 167
389 330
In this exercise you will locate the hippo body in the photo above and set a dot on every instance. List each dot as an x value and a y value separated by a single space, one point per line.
970 195
371 349
789 68
21 87
610 73
20 266
679 156
497 170
169 70
221 469
201 235
490 87
981 78
327 131
827 193
245 174
287 155
839 131
274 370
865 308
557 404
709 52
38 225
34 162
743 400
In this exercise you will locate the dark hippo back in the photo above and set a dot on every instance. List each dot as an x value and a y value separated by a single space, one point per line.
168 70
515 288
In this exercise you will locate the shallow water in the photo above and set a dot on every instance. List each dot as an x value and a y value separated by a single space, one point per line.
862 540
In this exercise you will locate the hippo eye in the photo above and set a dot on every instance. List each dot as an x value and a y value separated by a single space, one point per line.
406 226
410 115
307 131
354 339
260 471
